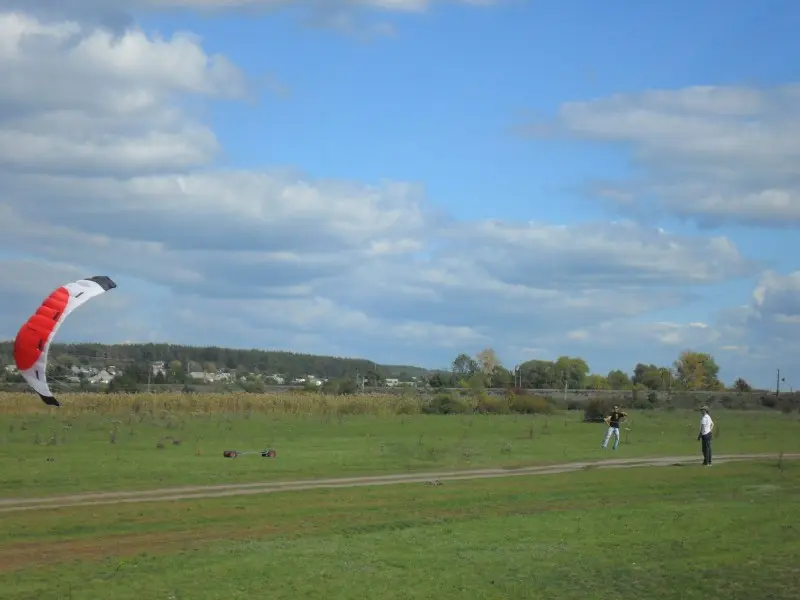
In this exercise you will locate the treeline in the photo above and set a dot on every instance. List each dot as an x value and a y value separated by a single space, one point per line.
179 360
691 371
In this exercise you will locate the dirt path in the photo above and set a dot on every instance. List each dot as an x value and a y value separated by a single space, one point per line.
219 491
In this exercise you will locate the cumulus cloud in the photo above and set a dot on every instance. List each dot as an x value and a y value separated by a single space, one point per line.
761 334
351 17
79 99
714 155
103 172
95 5
26 282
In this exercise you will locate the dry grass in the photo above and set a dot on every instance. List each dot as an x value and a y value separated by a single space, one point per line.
284 403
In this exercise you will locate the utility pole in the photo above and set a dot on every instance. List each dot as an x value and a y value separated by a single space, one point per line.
778 382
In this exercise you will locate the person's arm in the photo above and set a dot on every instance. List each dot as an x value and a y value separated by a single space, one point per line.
700 432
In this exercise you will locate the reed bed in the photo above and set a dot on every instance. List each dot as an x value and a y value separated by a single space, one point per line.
285 403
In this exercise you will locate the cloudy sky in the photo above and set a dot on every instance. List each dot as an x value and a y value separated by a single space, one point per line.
408 179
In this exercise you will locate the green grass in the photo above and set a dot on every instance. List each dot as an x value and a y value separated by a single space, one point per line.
317 446
673 533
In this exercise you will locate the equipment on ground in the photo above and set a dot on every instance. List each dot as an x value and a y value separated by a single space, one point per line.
236 453
32 344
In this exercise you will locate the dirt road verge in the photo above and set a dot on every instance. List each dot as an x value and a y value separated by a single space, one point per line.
219 491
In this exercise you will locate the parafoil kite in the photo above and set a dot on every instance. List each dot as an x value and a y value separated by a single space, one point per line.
32 343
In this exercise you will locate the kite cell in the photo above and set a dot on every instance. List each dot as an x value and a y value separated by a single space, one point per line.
32 343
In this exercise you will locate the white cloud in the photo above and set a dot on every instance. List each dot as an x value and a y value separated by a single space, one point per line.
350 17
26 282
93 5
759 336
103 172
712 154
78 99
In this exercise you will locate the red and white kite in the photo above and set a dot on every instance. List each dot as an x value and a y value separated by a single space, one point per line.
32 343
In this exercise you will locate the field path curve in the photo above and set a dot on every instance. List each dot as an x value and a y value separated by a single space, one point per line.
242 489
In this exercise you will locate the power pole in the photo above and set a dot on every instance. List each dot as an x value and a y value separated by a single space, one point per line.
778 382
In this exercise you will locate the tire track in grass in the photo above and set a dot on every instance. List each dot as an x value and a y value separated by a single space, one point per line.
244 489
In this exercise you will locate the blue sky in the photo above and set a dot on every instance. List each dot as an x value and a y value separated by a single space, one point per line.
544 178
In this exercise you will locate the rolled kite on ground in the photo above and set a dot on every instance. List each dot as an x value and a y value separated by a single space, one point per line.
33 340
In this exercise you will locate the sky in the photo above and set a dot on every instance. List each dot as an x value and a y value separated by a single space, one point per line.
406 180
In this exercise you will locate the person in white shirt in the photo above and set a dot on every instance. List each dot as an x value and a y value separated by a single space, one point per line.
704 437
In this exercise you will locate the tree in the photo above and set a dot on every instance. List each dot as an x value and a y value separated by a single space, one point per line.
537 374
67 360
740 385
697 371
487 361
464 365
439 380
373 378
650 376
618 380
597 382
501 378
571 372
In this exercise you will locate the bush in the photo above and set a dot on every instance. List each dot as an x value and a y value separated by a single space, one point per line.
445 403
733 402
493 405
648 403
407 406
596 409
768 401
530 404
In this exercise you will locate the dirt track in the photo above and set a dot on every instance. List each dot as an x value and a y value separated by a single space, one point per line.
218 491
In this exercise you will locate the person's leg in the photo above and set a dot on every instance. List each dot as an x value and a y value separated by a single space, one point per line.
608 436
704 446
708 448
616 438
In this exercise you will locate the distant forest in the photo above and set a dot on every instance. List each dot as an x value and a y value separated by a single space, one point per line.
211 358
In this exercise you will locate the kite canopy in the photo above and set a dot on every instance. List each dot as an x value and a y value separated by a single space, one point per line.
32 343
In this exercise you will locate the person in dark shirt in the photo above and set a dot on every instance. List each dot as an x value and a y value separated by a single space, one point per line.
613 421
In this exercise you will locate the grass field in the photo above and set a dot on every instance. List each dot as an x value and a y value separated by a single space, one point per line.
322 443
677 533
669 533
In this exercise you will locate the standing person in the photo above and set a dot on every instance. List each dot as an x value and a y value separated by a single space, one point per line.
613 421
704 437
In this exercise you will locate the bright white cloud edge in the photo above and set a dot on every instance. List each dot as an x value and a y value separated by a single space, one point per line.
73 200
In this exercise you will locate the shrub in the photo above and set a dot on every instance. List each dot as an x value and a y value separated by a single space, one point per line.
768 401
445 403
493 405
733 402
530 404
407 406
596 409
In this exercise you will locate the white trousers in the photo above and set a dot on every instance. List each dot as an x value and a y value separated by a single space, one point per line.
612 431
